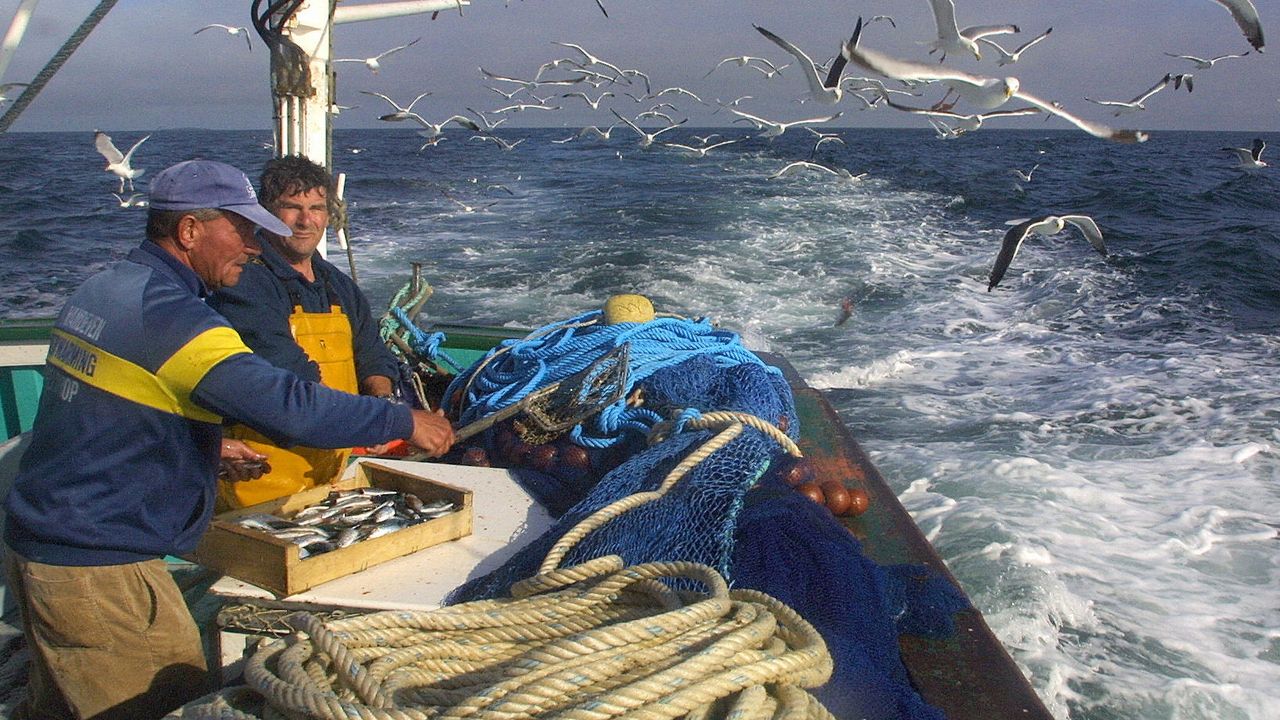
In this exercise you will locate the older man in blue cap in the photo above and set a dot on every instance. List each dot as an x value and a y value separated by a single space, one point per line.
126 445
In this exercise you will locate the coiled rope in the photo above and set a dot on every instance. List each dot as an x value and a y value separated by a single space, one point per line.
589 642
556 352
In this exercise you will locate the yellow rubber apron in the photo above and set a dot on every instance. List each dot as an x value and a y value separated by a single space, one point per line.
326 339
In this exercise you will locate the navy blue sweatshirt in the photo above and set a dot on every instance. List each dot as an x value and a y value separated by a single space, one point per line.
140 376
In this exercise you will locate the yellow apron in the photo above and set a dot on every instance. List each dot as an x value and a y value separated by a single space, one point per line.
326 339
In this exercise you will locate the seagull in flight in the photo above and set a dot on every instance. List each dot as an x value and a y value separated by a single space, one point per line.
430 129
985 92
744 61
590 59
1025 176
773 128
6 88
401 113
373 63
231 30
951 39
1250 157
1246 17
701 150
1136 104
825 90
1009 58
134 200
595 104
118 163
1045 225
1206 63
646 139
500 142
797 166
959 122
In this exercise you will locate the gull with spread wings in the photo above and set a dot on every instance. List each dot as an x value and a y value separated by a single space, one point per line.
1206 63
646 139
826 91
985 92
773 128
119 164
960 123
1045 225
401 113
1121 107
1009 58
1250 157
231 30
374 63
951 39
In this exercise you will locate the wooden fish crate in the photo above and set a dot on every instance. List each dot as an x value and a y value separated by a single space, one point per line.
274 564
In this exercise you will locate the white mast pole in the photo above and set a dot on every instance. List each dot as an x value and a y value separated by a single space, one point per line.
304 124
17 29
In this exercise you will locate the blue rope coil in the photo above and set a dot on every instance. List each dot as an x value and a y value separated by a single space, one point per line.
560 350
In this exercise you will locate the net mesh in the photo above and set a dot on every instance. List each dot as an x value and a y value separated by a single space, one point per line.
729 511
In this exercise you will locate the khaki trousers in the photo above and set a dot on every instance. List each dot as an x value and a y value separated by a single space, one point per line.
112 641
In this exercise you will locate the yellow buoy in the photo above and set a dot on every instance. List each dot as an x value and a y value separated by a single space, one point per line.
628 308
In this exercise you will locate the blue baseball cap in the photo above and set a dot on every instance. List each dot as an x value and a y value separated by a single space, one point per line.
196 184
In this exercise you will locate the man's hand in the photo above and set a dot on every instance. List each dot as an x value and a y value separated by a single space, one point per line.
241 462
431 432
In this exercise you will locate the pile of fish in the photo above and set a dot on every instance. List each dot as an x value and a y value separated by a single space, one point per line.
346 517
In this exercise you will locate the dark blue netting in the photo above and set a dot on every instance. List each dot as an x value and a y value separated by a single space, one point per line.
728 512
794 550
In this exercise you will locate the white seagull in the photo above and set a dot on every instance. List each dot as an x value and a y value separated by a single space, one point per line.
1246 17
799 165
373 62
595 104
959 122
1136 104
231 30
701 150
743 61
987 93
826 91
6 88
134 200
1250 157
1009 58
590 59
430 129
499 141
117 163
951 39
646 139
773 128
401 113
1206 63
1046 225
1025 176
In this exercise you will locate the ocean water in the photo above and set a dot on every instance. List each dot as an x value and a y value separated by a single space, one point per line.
1093 447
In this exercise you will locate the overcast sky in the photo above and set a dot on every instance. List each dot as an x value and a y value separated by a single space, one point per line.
143 68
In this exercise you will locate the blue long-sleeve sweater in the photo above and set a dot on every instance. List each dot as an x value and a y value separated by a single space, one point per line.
125 446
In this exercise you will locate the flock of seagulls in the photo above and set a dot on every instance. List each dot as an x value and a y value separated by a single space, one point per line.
830 83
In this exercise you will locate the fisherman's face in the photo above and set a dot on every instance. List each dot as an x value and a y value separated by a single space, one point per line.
307 215
221 248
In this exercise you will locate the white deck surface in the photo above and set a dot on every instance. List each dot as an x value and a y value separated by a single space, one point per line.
505 518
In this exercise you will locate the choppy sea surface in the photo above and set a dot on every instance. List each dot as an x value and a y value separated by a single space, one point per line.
1093 447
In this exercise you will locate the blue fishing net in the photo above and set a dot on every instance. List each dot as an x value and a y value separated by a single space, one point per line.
730 511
